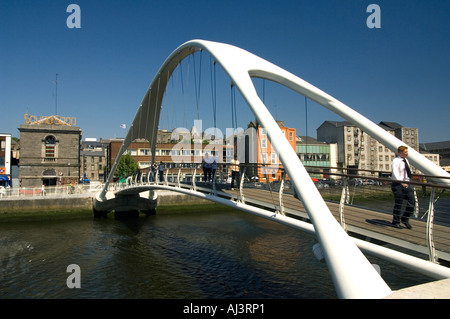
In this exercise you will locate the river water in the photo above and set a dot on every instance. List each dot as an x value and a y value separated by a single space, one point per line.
209 253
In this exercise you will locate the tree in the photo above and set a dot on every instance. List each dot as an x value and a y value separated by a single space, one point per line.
126 167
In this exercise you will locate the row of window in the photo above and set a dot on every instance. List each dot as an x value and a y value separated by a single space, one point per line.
175 152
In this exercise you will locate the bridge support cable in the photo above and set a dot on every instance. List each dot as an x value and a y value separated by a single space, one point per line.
352 273
214 92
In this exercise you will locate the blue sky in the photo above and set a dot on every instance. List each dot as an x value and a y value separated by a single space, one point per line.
399 72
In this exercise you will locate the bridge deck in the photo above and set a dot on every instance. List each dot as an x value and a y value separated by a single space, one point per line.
360 222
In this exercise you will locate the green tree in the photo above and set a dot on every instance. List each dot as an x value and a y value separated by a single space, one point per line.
126 167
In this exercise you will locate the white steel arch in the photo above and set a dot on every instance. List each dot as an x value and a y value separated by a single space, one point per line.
352 274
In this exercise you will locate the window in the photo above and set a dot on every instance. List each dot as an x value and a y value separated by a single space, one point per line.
291 136
50 142
263 143
264 158
144 151
274 158
132 152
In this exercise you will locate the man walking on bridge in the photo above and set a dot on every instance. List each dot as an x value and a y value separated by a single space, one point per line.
401 173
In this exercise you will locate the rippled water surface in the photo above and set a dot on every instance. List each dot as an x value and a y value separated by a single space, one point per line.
214 253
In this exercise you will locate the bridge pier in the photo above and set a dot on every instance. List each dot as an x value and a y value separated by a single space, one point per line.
125 205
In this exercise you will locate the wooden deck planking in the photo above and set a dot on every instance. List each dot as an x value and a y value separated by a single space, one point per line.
358 220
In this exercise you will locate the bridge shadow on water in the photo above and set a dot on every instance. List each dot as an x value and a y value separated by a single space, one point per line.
229 254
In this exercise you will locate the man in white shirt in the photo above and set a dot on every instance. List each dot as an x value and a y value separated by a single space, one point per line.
401 172
235 172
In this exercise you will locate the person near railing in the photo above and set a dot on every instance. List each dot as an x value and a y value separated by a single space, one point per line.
161 171
206 165
152 172
235 171
401 173
214 167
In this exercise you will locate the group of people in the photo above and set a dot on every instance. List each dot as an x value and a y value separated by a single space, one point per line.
210 165
157 168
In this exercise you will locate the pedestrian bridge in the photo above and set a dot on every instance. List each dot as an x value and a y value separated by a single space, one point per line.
351 272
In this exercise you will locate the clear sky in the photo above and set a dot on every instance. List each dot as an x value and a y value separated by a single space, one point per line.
399 72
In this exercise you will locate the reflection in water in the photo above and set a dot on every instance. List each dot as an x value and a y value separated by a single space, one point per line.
208 254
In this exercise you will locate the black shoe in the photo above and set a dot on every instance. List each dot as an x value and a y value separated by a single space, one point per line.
396 225
407 224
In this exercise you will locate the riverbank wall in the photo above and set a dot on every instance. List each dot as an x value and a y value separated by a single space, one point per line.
77 202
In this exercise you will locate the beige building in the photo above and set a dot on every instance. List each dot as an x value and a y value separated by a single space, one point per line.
49 152
93 158
357 149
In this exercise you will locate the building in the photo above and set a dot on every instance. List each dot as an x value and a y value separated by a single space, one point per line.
93 159
409 135
49 151
5 160
317 155
438 152
358 150
258 146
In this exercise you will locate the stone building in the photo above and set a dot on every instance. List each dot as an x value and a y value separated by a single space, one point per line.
50 151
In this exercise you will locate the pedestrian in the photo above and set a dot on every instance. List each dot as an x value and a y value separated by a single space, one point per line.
153 173
214 166
235 171
206 165
43 190
401 173
161 171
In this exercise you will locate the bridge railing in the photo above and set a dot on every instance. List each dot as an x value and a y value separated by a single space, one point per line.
49 191
342 187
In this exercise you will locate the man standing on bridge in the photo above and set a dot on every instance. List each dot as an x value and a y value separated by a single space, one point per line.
401 173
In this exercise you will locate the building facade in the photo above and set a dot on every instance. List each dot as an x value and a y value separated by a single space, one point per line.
438 152
49 151
315 154
258 146
93 159
358 150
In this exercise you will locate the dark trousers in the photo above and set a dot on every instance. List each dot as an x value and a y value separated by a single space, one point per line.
234 177
402 194
206 174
